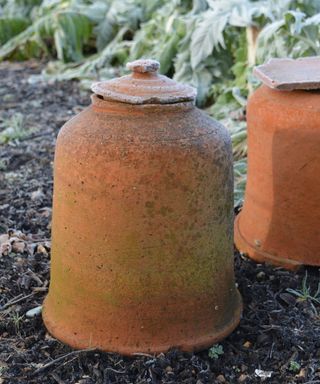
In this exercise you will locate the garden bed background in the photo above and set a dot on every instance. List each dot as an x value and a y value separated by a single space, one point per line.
277 341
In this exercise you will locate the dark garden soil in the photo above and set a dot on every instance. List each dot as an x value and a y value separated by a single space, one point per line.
277 341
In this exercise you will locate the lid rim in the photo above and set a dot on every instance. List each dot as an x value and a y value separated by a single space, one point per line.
111 95
147 88
287 74
139 101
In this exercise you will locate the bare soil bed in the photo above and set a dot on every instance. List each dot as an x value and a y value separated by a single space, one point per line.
277 341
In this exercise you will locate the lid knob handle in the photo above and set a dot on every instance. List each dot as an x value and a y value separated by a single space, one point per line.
143 66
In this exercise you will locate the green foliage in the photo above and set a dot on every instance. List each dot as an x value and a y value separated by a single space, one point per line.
17 321
3 165
159 37
294 366
216 351
15 17
305 293
71 32
295 35
13 129
210 44
10 27
240 180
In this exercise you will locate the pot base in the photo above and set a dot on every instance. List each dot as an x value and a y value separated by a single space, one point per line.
78 341
258 255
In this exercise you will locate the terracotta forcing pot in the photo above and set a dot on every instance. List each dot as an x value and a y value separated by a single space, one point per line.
280 219
142 232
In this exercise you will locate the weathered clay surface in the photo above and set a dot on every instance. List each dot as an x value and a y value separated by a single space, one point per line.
143 66
279 222
290 74
144 86
142 230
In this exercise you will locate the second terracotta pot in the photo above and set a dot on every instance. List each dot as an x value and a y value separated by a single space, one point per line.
280 219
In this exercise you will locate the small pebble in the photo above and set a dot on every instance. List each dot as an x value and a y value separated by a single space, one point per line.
41 249
302 373
221 379
37 195
34 311
247 344
261 276
242 378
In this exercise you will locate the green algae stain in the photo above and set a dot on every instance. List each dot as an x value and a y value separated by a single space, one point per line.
164 210
149 204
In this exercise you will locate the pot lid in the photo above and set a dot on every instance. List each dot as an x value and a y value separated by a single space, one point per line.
144 86
290 74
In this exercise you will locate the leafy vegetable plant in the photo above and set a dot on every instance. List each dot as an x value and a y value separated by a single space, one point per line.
216 351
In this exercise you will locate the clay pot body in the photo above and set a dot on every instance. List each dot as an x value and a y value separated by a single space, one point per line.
279 222
142 247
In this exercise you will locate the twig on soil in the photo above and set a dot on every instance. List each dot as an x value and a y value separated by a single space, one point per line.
40 241
39 289
61 358
35 277
11 377
313 382
16 300
57 378
271 350
142 354
9 105
31 137
115 371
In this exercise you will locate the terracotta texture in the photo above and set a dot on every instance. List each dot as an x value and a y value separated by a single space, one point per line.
290 74
142 247
279 222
